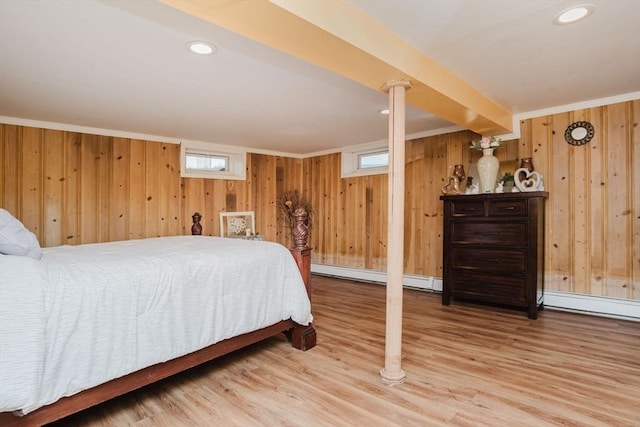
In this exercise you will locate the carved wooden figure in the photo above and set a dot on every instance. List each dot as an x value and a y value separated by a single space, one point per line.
196 228
300 229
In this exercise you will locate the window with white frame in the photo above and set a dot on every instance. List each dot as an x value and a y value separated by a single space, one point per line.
378 159
206 162
369 159
203 160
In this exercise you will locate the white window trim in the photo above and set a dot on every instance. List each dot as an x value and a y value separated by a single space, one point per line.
237 169
350 160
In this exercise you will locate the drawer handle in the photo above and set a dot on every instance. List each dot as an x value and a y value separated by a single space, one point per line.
508 208
469 209
487 233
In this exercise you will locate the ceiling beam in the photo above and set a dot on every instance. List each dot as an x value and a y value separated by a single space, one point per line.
341 38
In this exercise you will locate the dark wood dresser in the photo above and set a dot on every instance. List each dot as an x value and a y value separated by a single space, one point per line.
494 249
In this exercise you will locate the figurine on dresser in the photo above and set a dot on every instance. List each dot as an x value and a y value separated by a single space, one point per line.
526 181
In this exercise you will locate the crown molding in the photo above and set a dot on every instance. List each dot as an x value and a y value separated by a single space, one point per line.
132 135
592 103
85 129
579 106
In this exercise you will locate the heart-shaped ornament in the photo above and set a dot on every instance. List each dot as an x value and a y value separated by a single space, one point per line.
526 181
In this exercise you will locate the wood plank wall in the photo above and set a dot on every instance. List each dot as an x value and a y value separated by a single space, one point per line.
593 211
351 214
593 221
74 188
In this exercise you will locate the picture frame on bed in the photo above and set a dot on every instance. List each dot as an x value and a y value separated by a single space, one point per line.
237 224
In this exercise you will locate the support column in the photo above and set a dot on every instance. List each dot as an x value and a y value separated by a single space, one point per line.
392 372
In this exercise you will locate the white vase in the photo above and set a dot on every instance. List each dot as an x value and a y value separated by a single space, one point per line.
488 166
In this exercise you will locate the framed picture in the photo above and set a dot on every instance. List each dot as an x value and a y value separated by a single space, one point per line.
237 224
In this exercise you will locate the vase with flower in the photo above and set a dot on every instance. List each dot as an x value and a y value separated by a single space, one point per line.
488 165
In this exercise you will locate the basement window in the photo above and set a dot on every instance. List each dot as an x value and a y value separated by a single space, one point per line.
206 162
373 160
202 160
370 159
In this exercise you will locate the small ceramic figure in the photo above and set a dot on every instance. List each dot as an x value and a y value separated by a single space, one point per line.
473 189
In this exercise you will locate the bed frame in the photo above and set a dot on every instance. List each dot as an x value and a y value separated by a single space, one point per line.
301 337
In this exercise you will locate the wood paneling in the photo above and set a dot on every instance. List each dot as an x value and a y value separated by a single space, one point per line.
73 188
593 214
137 189
288 176
351 213
71 191
593 220
118 215
11 176
53 187
30 189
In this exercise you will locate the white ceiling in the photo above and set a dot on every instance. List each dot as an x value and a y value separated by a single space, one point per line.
123 66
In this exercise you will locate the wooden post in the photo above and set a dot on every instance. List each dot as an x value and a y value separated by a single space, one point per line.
392 372
302 337
303 260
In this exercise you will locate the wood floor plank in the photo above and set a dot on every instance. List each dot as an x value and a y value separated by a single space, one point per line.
466 365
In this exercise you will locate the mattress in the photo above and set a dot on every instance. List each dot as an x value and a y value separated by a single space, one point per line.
83 315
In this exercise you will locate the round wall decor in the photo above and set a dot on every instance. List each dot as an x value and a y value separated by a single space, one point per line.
579 133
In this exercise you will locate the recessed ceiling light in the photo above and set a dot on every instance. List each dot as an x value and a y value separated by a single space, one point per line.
384 111
202 48
574 14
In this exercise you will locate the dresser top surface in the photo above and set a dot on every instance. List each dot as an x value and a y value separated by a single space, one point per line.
496 196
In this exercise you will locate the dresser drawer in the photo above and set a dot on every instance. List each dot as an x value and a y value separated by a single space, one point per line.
495 233
467 208
507 260
509 208
486 287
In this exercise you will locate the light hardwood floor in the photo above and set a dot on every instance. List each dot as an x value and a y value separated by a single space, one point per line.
466 365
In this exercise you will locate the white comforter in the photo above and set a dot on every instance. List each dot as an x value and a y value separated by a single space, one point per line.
86 314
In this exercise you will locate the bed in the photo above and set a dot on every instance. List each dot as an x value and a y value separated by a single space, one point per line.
82 324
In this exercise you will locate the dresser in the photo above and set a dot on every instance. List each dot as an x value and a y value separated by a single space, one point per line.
493 249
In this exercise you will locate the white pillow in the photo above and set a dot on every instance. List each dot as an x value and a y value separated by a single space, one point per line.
15 239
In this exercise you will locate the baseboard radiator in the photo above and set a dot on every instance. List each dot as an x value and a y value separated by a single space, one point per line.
587 304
